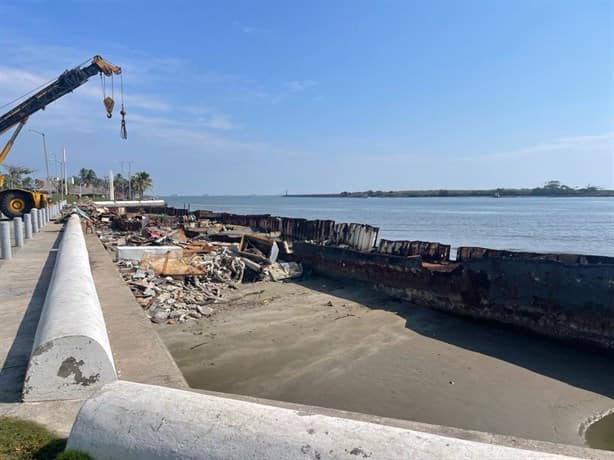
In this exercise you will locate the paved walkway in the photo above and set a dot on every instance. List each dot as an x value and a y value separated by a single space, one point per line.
23 286
139 353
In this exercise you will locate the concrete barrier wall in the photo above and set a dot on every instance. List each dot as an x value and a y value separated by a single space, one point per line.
134 421
71 356
137 252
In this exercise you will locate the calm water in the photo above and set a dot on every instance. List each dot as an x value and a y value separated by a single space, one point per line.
572 225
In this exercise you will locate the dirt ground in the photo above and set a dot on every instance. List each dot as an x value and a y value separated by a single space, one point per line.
345 346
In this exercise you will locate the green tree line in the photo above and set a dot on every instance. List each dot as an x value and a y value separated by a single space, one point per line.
550 188
134 187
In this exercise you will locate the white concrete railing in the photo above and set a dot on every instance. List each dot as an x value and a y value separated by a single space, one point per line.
134 421
71 356
15 234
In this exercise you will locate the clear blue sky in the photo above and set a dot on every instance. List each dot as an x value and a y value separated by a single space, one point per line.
325 96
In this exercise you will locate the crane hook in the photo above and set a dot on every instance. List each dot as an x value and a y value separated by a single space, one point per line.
109 103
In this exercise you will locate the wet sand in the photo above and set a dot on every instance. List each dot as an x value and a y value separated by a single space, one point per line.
326 343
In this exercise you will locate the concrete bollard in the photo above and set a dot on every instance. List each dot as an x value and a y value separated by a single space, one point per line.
34 212
27 223
71 355
5 240
18 231
134 421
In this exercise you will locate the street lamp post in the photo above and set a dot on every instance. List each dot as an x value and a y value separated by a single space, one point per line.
46 159
64 173
129 162
57 174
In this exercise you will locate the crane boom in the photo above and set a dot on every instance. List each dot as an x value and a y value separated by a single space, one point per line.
66 83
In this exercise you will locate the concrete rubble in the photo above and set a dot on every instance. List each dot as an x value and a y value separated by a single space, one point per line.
176 277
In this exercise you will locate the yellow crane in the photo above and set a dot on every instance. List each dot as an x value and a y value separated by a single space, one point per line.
14 202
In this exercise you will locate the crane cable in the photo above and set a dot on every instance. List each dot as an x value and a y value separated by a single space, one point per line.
123 133
23 96
27 94
109 103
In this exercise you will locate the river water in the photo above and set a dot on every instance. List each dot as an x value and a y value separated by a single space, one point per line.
580 225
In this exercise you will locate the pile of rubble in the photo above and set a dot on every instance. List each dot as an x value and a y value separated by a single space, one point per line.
168 299
176 278
87 210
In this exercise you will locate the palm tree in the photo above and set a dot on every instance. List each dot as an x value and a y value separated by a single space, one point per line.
27 182
87 176
120 183
141 182
15 175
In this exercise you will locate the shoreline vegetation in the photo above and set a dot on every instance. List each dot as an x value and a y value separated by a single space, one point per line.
550 189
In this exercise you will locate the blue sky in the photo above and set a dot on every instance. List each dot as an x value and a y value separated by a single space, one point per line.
324 96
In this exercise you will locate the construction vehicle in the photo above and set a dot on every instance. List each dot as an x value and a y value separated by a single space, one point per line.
14 202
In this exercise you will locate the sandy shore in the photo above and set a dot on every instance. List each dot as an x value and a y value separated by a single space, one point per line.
333 344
